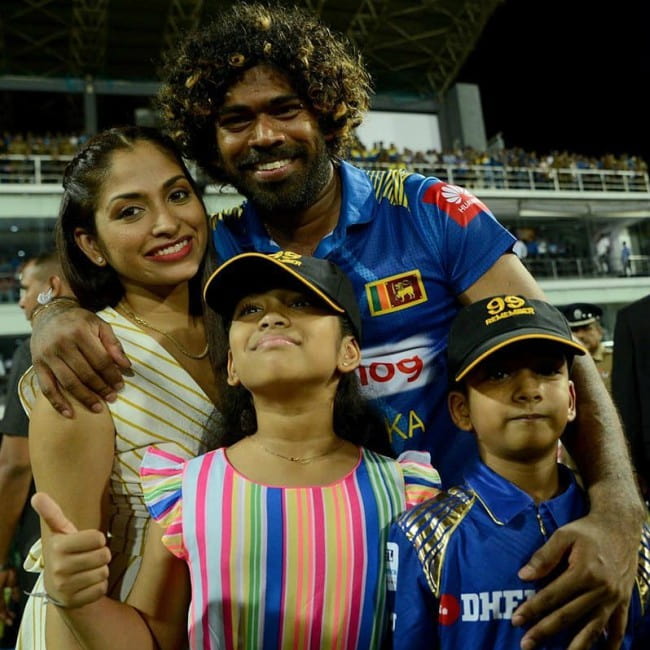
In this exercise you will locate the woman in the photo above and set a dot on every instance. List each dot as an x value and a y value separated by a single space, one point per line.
131 233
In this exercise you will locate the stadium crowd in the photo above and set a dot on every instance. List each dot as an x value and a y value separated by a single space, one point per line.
66 144
496 157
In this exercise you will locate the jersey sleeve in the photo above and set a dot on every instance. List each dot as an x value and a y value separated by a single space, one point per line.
421 480
412 607
161 475
463 235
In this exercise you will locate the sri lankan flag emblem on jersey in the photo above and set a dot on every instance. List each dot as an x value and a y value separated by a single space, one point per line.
395 293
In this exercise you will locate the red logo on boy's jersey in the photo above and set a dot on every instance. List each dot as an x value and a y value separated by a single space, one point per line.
448 609
462 206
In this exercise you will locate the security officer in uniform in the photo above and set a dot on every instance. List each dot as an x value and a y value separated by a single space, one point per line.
584 320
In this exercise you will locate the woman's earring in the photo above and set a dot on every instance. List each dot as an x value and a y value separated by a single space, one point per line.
100 260
44 297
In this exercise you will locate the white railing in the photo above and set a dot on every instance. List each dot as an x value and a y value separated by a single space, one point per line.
32 169
530 178
49 169
557 267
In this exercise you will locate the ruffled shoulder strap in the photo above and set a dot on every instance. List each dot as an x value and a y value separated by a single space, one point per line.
161 475
421 480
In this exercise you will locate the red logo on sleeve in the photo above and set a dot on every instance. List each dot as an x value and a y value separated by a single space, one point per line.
462 206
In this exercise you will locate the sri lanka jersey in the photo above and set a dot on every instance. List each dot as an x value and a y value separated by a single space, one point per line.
453 562
410 245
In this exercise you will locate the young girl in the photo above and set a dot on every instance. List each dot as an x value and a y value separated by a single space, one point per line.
283 526
131 235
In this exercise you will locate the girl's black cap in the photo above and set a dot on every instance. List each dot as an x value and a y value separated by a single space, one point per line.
250 273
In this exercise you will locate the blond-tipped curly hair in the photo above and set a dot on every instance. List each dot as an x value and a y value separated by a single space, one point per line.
323 67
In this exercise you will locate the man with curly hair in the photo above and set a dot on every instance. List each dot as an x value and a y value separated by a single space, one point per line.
267 99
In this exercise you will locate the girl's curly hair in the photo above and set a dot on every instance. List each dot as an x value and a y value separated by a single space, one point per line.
323 67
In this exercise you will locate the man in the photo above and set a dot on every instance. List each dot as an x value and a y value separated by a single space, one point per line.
603 247
631 383
40 281
584 320
626 263
267 100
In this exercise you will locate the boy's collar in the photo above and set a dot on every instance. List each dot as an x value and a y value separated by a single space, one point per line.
503 500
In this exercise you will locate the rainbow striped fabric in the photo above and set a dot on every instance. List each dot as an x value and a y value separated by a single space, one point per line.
299 568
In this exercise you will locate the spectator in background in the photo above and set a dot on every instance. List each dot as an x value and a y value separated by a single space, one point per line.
520 249
40 281
603 247
626 265
584 319
631 383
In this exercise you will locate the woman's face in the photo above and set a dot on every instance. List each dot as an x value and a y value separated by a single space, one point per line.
151 226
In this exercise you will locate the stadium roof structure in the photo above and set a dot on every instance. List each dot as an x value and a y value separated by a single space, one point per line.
414 48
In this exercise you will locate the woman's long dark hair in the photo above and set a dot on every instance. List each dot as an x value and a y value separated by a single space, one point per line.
95 286
355 419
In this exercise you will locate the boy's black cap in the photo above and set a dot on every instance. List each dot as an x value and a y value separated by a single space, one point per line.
485 326
581 313
249 273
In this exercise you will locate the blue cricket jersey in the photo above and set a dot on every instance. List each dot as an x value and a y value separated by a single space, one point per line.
453 562
410 244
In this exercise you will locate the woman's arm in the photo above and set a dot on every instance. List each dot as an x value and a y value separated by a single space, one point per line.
71 461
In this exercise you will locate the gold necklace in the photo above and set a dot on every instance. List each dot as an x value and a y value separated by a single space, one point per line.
303 460
144 323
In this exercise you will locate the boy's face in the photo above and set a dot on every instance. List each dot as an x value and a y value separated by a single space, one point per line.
517 401
283 337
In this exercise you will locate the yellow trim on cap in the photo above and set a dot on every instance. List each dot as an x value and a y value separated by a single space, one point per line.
522 337
284 267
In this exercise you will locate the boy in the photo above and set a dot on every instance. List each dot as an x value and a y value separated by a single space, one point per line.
453 561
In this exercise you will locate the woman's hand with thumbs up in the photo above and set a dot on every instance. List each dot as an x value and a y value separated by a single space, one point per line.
76 562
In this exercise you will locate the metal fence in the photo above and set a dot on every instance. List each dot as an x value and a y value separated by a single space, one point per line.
531 178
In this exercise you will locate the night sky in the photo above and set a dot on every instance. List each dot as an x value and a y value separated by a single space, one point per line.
566 74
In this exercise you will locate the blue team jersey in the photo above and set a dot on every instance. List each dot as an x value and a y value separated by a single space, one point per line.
410 244
453 562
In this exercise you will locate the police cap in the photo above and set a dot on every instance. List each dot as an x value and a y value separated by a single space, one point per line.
581 313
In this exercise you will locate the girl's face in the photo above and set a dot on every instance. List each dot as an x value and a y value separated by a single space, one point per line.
284 337
151 226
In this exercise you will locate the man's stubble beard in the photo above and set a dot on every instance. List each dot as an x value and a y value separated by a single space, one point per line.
289 198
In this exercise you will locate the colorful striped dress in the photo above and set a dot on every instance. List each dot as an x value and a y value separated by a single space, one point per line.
299 568
160 405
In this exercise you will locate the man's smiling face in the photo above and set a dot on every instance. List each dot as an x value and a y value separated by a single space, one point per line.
271 146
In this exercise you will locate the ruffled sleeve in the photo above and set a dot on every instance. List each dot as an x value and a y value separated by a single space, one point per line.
161 475
421 480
